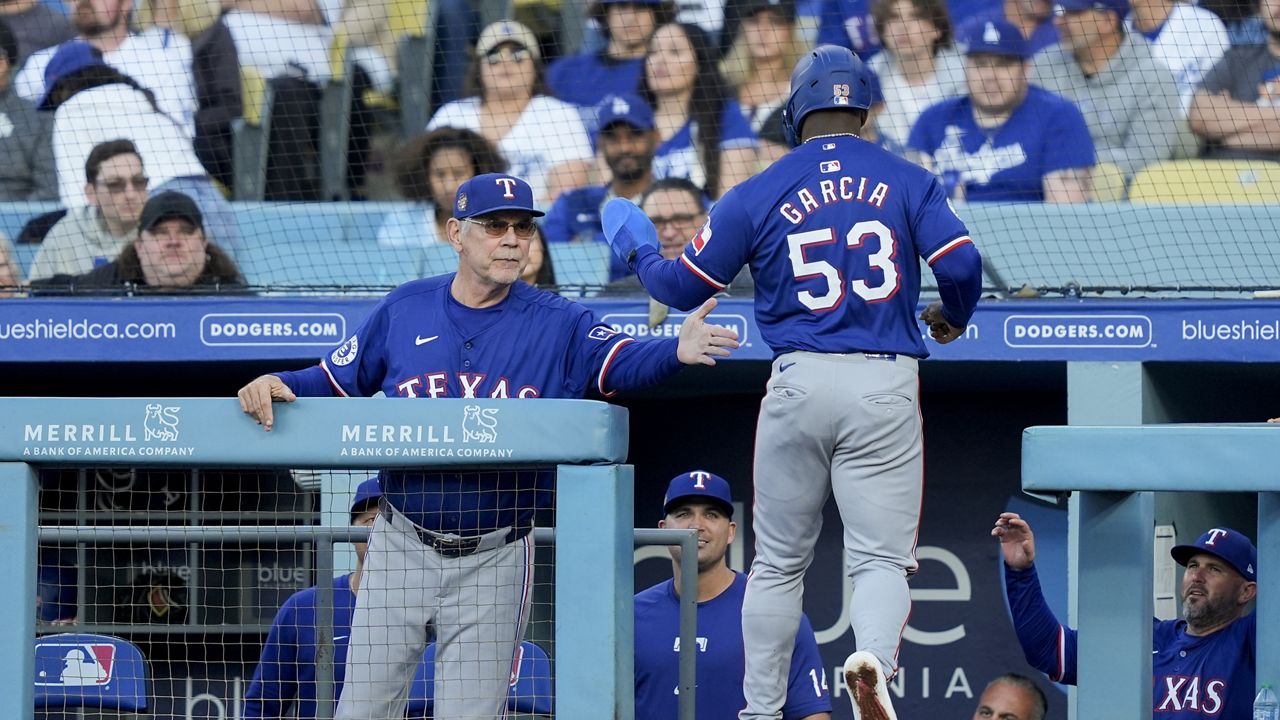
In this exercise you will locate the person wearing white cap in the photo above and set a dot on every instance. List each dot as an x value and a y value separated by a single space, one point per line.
542 138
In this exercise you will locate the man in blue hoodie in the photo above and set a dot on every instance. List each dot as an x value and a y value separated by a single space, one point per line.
286 672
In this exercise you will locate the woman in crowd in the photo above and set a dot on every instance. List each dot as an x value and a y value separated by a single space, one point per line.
433 165
704 136
543 139
918 67
759 63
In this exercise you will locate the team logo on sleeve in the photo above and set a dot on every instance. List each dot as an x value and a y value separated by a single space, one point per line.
601 332
346 352
702 238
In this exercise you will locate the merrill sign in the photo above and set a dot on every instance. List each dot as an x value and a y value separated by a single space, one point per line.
160 424
469 439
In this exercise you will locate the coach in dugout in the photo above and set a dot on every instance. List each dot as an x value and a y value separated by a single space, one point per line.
1203 665
455 548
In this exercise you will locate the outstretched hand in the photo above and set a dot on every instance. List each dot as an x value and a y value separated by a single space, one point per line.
702 342
941 330
1017 542
257 396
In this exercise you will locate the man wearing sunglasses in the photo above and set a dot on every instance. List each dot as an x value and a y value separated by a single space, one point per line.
460 543
116 188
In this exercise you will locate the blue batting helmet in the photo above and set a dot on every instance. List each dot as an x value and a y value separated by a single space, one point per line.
829 77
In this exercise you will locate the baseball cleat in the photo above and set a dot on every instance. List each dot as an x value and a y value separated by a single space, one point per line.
867 688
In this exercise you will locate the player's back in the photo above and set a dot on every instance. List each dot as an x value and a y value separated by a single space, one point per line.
835 229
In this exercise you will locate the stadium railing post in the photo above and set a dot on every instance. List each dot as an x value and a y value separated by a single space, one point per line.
594 587
19 490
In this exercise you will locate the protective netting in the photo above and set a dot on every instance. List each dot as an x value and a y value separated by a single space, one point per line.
217 624
323 141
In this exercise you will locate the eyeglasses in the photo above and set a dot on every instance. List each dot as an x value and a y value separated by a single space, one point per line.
498 228
115 186
675 220
497 55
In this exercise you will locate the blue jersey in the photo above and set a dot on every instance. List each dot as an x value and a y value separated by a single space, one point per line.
419 342
585 79
286 673
721 664
832 232
1193 677
678 157
575 217
1045 134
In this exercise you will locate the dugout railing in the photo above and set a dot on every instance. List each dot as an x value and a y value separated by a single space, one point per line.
1115 471
585 441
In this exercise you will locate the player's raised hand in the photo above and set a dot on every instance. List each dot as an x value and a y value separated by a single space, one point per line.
628 229
1017 542
939 328
257 396
702 342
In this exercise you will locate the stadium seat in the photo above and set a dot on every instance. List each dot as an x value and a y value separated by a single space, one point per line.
250 134
1106 183
1207 181
531 691
15 215
414 22
90 671
25 255
439 259
580 263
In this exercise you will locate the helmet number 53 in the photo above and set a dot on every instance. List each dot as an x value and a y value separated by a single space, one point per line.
872 233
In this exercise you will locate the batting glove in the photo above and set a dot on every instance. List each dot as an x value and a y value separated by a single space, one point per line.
628 229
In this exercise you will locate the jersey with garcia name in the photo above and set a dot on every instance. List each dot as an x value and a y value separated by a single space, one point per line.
833 232
420 342
721 663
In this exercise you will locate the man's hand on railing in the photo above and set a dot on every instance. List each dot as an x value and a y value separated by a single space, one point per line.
257 396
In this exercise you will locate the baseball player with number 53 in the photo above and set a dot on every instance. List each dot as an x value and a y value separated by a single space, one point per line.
832 232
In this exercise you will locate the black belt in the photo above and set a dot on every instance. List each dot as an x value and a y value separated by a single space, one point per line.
452 546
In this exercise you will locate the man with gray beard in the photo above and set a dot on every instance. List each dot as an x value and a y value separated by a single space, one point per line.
1203 665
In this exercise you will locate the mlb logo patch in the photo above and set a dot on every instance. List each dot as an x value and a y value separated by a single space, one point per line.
701 239
601 332
830 166
65 664
839 94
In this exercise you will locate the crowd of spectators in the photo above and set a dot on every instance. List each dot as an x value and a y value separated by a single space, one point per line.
656 90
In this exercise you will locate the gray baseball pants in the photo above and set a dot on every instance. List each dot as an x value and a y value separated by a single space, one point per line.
844 425
479 604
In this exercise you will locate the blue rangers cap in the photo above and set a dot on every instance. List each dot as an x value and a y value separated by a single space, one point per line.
699 484
70 58
995 37
624 108
492 192
367 493
1233 547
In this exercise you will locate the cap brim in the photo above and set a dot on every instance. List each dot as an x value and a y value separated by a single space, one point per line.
486 211
1182 554
728 509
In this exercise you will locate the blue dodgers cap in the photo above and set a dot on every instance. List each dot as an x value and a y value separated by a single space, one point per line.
698 484
367 493
1119 7
491 192
1233 547
995 37
70 58
625 108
